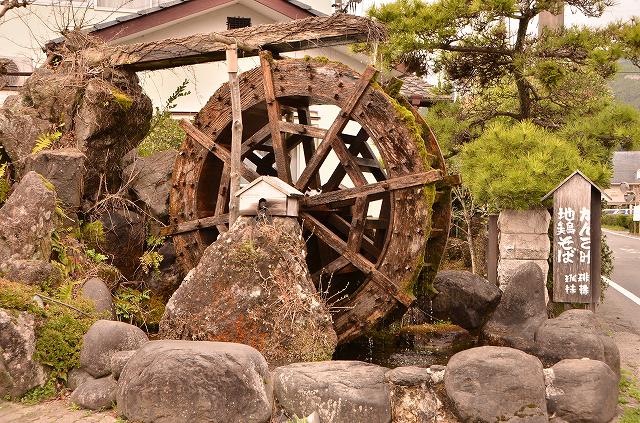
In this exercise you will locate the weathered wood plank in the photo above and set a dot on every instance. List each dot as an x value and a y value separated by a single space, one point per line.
193 225
392 184
357 224
331 268
222 199
356 259
258 138
300 129
220 152
275 119
308 144
314 32
332 135
236 132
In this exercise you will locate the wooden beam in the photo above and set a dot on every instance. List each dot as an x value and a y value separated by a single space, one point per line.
332 135
236 132
221 201
194 225
331 268
300 34
300 129
364 265
218 150
255 139
308 144
393 184
275 118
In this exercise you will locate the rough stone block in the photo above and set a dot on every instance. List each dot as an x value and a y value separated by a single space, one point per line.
534 221
524 246
64 168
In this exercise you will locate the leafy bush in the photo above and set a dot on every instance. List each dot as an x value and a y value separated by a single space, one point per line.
165 133
621 220
513 167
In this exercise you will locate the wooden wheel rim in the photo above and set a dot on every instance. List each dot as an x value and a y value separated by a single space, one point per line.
410 251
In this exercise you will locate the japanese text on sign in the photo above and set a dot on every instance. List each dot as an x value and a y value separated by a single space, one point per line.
573 235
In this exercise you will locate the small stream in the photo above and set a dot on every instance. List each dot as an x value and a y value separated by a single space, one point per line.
412 345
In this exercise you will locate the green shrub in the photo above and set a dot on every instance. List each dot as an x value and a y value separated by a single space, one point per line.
513 167
619 220
165 133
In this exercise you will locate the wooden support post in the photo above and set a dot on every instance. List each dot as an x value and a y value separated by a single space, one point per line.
492 249
236 131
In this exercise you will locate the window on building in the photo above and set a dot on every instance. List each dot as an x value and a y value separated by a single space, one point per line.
638 174
234 22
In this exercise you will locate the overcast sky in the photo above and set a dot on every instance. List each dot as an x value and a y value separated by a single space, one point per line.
624 9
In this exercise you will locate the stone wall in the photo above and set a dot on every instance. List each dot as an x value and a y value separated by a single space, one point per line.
522 237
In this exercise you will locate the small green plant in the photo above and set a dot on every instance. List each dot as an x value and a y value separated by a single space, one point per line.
91 233
5 186
41 393
95 256
124 100
150 260
165 133
139 308
629 388
46 140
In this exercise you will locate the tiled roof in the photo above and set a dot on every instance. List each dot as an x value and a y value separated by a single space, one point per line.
418 91
162 6
625 167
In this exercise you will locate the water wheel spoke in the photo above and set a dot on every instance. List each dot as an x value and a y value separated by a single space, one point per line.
392 184
359 261
215 148
344 227
357 224
223 192
303 129
332 136
334 267
275 119
339 173
308 144
194 225
256 139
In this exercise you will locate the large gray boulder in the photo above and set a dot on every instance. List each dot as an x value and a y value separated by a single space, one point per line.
195 381
64 168
253 286
27 220
582 391
575 334
95 394
119 360
520 312
103 339
19 372
339 391
77 377
32 272
151 181
464 298
95 290
20 127
490 384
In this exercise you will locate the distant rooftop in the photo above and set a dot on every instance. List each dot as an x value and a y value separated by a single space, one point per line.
626 165
419 92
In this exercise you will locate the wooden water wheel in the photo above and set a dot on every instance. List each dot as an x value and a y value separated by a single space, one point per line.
378 206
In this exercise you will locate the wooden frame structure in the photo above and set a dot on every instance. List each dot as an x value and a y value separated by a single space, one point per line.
373 264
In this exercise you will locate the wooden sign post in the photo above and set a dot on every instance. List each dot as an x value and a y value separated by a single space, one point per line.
576 240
